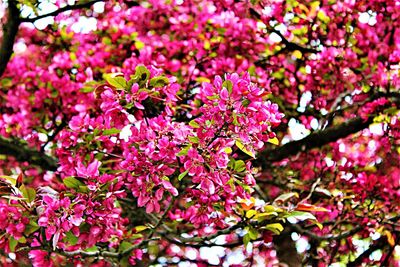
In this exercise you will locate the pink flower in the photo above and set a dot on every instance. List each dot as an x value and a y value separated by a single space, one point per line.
92 170
40 258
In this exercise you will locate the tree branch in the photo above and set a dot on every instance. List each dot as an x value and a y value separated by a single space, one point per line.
23 153
211 236
297 228
10 30
380 243
323 137
316 139
288 45
61 10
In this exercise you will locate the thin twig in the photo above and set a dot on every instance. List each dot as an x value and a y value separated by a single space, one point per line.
60 10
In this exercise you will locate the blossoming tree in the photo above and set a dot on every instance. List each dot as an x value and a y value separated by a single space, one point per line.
198 133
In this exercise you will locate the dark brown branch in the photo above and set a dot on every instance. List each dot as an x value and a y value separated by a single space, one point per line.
323 137
380 243
203 239
57 130
61 10
25 154
288 45
311 235
10 30
316 139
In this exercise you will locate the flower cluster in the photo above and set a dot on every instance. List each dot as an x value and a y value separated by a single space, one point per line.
150 157
12 223
89 220
236 109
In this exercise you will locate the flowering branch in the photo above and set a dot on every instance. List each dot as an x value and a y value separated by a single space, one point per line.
87 254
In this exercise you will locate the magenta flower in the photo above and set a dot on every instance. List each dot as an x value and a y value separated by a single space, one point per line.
92 169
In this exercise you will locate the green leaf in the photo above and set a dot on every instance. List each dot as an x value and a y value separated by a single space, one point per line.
106 41
6 82
235 121
159 81
140 228
10 179
92 249
87 89
245 102
31 228
182 175
124 261
252 70
241 146
250 213
271 208
194 139
228 85
22 239
301 215
28 193
228 150
124 246
207 45
231 163
276 228
184 151
96 131
142 74
70 238
322 16
111 131
213 97
202 80
116 81
12 243
253 234
246 239
72 56
285 197
136 236
72 182
139 45
194 124
83 189
265 215
153 248
274 141
240 166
